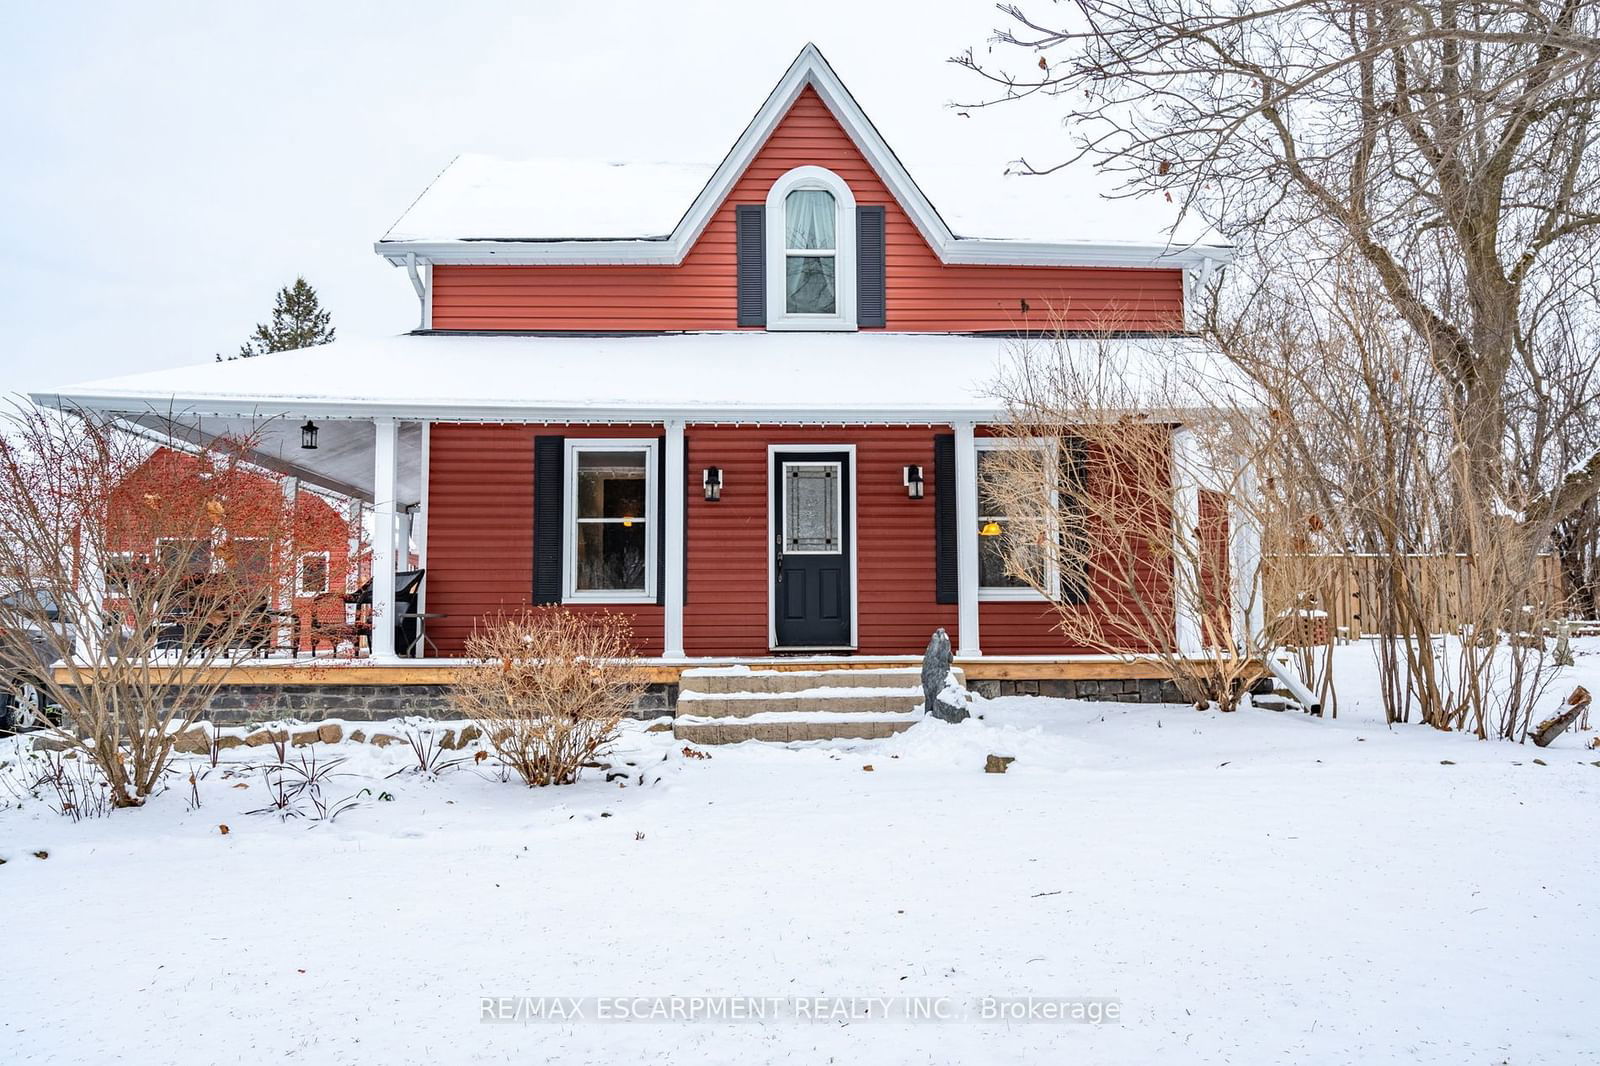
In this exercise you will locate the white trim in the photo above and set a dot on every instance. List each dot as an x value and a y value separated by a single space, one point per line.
1186 545
1024 593
967 641
570 593
772 535
808 69
212 562
385 501
1245 534
300 573
672 529
419 520
844 255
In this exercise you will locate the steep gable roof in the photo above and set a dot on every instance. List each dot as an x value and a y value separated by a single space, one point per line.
478 211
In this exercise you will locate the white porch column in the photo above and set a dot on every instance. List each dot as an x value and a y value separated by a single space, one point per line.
966 541
672 530
1245 535
1186 547
90 631
286 594
385 479
419 520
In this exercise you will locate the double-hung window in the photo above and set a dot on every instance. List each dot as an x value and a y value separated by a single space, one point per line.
1026 538
610 540
313 573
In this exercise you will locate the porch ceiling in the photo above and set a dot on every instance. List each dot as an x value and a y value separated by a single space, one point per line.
342 462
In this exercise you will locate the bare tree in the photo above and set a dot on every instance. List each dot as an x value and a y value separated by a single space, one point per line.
1448 146
141 639
1114 496
1368 464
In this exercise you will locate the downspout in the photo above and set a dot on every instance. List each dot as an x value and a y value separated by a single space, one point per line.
424 318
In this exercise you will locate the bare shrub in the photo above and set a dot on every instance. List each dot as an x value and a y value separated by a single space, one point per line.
549 689
1122 487
141 638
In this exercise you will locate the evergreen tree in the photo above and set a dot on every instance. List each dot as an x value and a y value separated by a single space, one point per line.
298 321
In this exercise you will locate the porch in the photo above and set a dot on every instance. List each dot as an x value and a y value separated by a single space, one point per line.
470 450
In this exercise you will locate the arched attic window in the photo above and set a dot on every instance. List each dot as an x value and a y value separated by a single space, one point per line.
811 269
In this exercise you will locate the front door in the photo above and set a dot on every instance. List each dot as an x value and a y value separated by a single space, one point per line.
811 549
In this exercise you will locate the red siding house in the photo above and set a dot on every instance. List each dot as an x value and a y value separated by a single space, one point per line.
307 553
744 403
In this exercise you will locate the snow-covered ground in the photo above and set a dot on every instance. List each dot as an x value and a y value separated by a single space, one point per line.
1249 888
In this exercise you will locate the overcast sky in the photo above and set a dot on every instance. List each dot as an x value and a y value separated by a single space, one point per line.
169 166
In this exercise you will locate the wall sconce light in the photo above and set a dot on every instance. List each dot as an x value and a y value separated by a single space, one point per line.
990 529
711 481
913 482
308 436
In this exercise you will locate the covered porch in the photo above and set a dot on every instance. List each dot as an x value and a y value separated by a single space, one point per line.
372 427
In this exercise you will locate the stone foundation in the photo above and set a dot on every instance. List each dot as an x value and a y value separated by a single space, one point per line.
249 704
1129 690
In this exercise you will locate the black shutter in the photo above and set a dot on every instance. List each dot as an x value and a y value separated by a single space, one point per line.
549 516
660 530
870 310
1074 478
750 236
945 583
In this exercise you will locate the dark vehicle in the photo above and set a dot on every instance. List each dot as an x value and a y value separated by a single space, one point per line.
29 648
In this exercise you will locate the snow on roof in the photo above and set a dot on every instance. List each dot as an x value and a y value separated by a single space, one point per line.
951 170
745 376
480 197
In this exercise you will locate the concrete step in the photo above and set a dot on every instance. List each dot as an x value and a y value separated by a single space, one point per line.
865 700
724 731
723 679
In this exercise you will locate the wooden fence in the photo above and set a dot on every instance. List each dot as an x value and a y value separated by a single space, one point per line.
1350 590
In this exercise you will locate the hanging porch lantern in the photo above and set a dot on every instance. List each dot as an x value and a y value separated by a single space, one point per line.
308 436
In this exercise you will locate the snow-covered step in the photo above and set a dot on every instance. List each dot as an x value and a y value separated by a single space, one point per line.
725 705
788 727
719 679
853 700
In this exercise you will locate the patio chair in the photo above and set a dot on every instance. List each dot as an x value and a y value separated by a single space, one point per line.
326 622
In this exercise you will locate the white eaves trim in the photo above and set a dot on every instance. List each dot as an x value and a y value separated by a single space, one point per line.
808 69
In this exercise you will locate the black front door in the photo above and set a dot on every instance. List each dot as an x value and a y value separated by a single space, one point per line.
811 549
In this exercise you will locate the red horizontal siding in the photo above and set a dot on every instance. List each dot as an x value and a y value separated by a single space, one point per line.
480 528
923 294
726 609
480 542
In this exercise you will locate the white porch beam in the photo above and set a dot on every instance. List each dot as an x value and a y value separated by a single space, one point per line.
672 529
385 490
1186 547
967 642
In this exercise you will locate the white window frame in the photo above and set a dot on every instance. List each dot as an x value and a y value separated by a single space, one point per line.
252 540
108 568
569 532
844 257
213 563
300 573
1002 593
